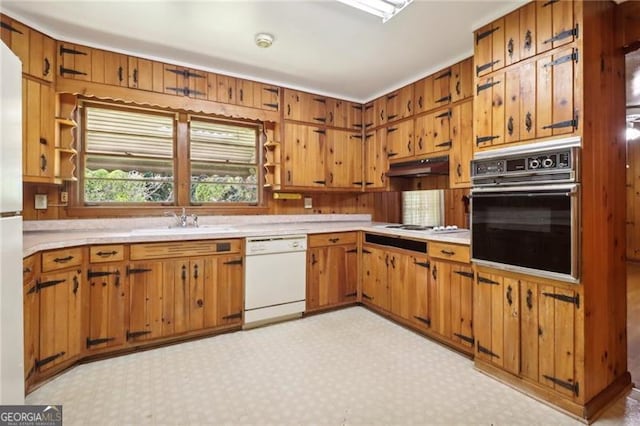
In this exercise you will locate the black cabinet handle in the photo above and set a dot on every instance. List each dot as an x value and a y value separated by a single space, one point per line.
313 259
106 253
334 240
76 284
434 272
62 259
230 93
458 87
195 272
289 176
288 109
393 262
409 106
529 299
43 162
510 126
448 252
241 95
510 47
183 275
420 102
528 40
459 170
382 115
120 76
330 117
420 144
386 260
135 75
47 67
528 122
509 295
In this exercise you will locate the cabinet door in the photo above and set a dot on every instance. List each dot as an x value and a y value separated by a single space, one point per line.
399 140
344 159
106 292
418 291
336 113
462 145
512 105
38 110
439 133
423 94
60 318
376 161
461 81
441 89
42 50
375 288
145 301
368 116
489 48
74 61
400 103
226 92
512 37
229 290
175 297
292 105
266 97
440 298
115 69
19 35
555 114
488 111
380 111
331 275
304 155
400 272
140 73
461 294
528 30
31 315
555 24
313 109
202 294
244 90
198 84
355 116
548 327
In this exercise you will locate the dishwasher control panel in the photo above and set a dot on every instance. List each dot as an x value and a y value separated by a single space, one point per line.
275 244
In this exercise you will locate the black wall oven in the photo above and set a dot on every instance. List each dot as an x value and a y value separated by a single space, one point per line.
525 213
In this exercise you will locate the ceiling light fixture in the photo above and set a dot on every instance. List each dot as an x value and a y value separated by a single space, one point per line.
264 40
386 9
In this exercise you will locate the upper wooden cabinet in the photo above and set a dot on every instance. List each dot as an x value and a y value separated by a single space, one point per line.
74 61
109 68
301 106
400 140
520 34
38 131
344 114
376 162
555 24
461 80
489 48
36 51
400 104
185 82
461 132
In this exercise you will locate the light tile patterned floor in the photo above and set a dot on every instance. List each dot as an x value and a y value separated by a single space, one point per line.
341 368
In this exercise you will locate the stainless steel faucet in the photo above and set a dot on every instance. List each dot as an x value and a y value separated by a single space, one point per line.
181 220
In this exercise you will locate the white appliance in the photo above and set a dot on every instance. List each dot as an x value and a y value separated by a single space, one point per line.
11 337
275 278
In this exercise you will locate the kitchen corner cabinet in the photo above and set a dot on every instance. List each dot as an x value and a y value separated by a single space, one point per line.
376 162
451 294
332 270
38 128
35 50
528 328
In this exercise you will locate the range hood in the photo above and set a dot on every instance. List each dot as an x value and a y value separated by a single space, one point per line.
417 168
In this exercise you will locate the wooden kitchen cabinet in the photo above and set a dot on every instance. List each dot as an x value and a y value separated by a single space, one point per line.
375 286
520 103
461 152
266 97
227 89
380 111
344 159
376 162
489 48
107 293
42 52
175 296
141 74
38 127
555 24
368 116
433 133
451 293
399 140
229 289
74 61
31 314
301 106
400 104
301 144
332 270
355 116
145 300
185 82
434 91
109 68
555 113
461 80
489 111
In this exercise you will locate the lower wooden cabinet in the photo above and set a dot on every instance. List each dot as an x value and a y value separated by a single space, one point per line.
145 300
527 327
332 270
107 295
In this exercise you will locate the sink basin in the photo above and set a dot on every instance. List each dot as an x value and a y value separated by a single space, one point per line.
202 229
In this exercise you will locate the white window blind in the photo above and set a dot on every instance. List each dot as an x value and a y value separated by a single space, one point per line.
425 208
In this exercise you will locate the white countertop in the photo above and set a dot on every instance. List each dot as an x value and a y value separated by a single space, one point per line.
61 236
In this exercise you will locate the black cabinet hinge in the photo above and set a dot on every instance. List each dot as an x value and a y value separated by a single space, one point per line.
486 34
185 73
93 274
365 251
481 87
270 89
444 114
354 294
564 34
64 70
573 56
447 143
444 99
423 264
467 339
443 75
355 250
464 274
564 298
44 284
480 68
366 296
237 315
486 351
234 262
69 51
44 361
134 334
573 387
271 105
426 321
483 139
99 341
185 91
483 280
561 124
137 270
10 28
321 100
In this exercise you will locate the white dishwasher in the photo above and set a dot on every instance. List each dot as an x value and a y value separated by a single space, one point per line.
275 278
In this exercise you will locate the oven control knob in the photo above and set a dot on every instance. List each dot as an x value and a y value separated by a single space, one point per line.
534 164
547 162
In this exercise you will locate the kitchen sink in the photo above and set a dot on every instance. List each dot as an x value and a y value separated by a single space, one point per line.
202 229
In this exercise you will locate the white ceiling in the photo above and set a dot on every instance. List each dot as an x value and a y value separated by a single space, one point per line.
324 46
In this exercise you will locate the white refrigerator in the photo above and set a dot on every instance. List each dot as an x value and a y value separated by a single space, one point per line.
11 323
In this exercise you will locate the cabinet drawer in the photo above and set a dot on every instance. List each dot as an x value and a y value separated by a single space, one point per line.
106 253
335 238
61 259
448 251
184 249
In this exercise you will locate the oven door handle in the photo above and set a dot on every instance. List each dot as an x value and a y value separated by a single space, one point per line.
525 190
525 194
